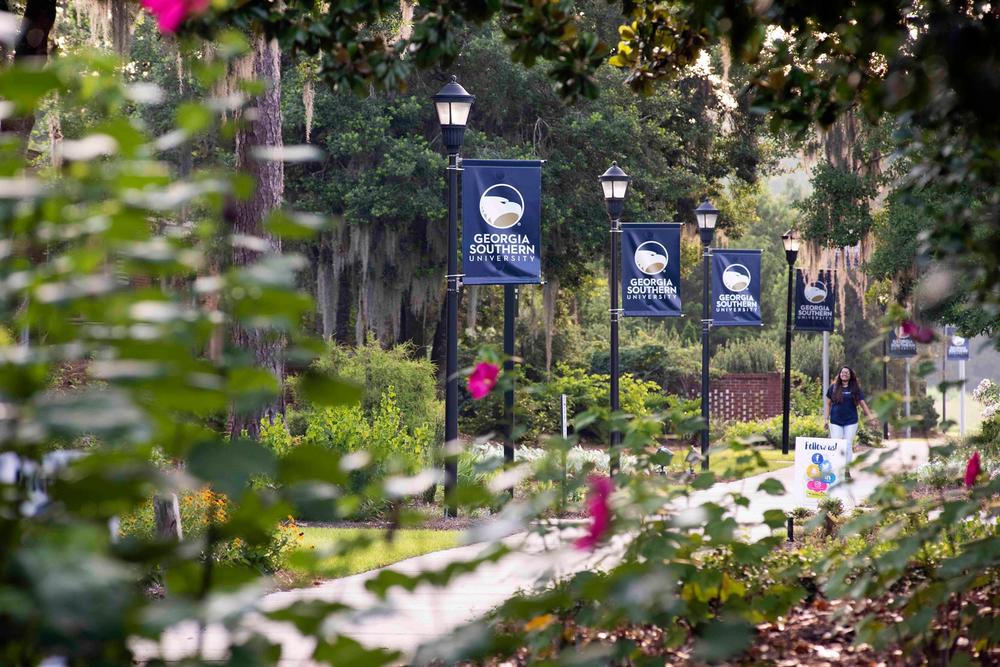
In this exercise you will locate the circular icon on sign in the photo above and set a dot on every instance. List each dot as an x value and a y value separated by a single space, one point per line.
815 292
651 258
501 206
736 277
958 340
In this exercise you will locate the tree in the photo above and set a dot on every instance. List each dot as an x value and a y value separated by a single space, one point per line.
32 44
258 143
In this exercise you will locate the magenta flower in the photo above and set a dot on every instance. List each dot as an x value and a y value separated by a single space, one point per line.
599 510
918 332
171 13
972 469
482 379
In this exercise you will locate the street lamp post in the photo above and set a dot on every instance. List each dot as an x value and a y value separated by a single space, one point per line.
706 215
791 242
614 183
453 105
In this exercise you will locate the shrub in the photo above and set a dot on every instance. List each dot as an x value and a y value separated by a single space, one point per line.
413 380
923 408
868 436
384 436
274 435
752 355
806 395
538 409
807 353
832 506
675 367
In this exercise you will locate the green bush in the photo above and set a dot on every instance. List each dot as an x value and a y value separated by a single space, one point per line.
275 435
807 353
676 368
923 407
384 436
770 429
538 409
806 395
758 354
413 380
869 436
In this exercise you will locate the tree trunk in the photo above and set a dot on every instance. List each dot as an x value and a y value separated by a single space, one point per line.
167 514
32 43
262 127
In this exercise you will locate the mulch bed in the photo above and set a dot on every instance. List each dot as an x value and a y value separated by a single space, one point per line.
819 633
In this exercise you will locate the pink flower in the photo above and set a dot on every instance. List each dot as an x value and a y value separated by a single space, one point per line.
171 13
599 510
917 332
972 470
482 379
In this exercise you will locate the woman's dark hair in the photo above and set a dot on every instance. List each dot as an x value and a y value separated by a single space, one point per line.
852 385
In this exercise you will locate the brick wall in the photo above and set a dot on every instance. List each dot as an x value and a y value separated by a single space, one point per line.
745 396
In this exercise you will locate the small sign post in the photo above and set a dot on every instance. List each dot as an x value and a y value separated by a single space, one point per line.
820 466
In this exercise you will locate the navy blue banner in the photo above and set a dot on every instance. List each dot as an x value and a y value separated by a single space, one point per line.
814 301
736 288
958 346
901 345
651 269
501 221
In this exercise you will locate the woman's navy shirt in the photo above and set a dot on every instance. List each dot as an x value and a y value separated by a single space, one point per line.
844 413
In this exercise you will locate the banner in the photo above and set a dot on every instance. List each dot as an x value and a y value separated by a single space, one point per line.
736 288
819 466
958 346
814 302
651 269
901 346
501 221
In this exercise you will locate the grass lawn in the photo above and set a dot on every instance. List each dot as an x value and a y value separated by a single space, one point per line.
725 463
367 549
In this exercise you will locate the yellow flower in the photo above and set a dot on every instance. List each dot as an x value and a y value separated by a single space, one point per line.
539 622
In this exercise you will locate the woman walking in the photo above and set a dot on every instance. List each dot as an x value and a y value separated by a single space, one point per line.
840 412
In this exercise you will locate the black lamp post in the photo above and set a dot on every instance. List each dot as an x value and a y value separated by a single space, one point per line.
453 105
614 183
706 215
791 241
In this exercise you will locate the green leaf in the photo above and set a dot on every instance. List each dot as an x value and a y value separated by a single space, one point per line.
229 467
772 487
775 518
703 481
194 118
346 651
322 389
722 639
296 226
26 87
109 415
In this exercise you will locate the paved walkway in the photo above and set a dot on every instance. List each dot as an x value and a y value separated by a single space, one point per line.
407 620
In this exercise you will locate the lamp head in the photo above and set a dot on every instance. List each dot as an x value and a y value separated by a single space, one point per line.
706 215
614 184
791 241
453 104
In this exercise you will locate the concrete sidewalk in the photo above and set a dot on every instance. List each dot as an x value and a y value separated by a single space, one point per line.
406 620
